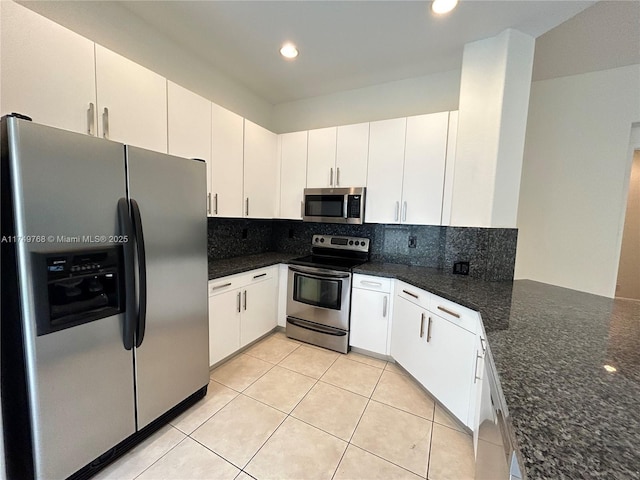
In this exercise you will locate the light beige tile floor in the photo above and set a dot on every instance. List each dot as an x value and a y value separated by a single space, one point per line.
287 410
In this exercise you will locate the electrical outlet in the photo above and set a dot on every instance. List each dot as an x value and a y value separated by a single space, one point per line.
245 233
413 241
461 268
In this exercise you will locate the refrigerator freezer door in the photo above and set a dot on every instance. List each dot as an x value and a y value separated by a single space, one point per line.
172 362
65 186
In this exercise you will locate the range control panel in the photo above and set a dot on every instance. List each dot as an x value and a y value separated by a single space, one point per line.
356 244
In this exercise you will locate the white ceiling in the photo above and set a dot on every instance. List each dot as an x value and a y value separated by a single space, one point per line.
343 44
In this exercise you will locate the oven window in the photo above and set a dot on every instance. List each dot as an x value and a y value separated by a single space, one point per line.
326 293
324 206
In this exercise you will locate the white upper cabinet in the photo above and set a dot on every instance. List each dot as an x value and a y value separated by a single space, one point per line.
338 156
407 158
47 72
132 102
424 167
189 128
352 149
260 171
384 177
321 158
293 173
227 152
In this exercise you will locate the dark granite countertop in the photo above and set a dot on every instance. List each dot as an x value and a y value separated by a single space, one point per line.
571 418
245 263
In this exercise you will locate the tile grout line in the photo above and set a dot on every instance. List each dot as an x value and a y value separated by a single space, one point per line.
430 440
164 454
287 415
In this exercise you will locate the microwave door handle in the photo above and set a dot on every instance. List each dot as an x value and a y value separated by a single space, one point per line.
345 209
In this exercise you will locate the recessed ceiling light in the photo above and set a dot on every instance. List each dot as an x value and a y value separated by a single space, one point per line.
289 50
443 6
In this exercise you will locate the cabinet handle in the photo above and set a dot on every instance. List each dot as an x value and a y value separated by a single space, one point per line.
258 276
429 330
105 123
371 284
475 370
247 207
421 325
215 204
445 310
411 294
91 111
331 178
209 203
221 286
483 344
397 211
337 176
384 306
245 301
238 302
404 212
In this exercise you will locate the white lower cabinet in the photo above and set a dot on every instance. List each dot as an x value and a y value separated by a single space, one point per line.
242 308
438 353
370 313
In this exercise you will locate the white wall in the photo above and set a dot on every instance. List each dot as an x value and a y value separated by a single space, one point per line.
494 97
575 178
428 94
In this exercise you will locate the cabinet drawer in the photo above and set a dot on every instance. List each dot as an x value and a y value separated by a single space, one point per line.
368 282
221 285
413 294
456 314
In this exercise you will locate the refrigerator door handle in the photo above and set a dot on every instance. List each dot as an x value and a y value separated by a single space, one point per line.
126 229
142 273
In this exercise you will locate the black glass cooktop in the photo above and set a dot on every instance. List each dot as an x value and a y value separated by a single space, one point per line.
326 261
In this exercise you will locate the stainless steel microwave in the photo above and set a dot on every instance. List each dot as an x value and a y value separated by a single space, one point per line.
334 205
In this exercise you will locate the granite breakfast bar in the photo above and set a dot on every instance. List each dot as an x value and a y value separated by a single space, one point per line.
570 417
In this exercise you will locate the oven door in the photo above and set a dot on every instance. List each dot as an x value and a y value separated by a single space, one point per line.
319 295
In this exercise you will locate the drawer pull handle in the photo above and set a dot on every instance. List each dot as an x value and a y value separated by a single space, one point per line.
412 294
475 370
422 325
221 286
261 275
371 284
446 310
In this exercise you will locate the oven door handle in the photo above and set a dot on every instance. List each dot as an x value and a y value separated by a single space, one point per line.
320 275
316 328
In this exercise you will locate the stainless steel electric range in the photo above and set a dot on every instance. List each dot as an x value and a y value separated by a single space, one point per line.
319 291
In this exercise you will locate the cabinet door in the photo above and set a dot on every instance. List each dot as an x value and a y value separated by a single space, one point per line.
352 150
369 320
424 164
227 151
189 131
293 174
260 171
407 336
136 99
47 72
448 372
259 310
321 158
384 177
224 325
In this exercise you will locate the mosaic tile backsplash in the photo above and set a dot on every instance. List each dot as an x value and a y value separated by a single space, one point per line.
491 252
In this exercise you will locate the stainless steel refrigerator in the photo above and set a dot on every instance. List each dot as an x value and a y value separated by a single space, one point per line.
104 296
